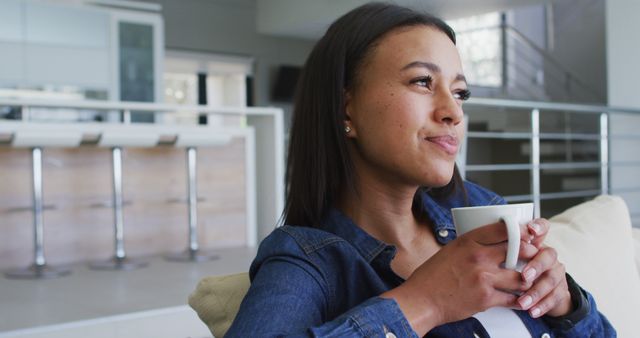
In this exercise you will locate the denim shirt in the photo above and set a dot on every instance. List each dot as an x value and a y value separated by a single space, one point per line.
310 282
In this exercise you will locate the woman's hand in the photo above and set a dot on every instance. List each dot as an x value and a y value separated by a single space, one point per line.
463 278
549 293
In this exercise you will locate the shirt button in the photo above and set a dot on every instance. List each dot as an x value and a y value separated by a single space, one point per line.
545 335
390 335
443 233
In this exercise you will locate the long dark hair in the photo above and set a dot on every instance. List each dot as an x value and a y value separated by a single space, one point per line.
319 167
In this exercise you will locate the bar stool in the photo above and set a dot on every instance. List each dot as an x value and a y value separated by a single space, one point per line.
36 139
192 138
117 137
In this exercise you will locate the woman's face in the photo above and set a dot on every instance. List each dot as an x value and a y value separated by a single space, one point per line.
405 110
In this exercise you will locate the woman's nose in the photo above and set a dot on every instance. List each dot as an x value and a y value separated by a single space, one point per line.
447 109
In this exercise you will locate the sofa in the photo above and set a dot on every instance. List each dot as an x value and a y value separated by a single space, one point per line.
594 240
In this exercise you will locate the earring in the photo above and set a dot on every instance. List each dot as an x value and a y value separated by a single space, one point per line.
347 129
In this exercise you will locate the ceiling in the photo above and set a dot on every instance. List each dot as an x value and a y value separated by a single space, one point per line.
308 19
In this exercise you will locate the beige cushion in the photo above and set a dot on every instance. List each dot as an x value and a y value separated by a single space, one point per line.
636 241
217 300
595 243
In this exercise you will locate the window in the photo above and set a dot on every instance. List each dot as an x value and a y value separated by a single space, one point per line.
479 41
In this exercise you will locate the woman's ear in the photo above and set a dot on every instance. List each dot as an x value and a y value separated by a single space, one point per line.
349 128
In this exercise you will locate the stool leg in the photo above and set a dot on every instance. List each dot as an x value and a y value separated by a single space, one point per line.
119 261
117 204
39 269
193 252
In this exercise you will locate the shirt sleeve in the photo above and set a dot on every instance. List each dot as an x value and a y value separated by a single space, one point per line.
289 297
374 318
585 320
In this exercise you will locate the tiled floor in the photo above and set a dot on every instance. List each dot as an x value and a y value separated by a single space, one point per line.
89 294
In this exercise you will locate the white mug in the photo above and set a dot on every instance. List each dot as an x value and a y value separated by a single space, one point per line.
513 215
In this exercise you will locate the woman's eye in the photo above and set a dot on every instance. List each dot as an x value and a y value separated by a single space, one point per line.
424 81
462 95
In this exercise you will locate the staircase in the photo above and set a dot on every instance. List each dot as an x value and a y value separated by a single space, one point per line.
532 67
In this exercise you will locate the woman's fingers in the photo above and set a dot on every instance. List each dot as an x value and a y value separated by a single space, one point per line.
488 261
558 298
549 292
510 281
538 230
545 259
542 287
497 252
527 251
533 233
489 234
503 299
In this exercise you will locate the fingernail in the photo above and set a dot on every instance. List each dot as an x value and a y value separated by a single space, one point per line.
535 227
525 302
535 312
529 274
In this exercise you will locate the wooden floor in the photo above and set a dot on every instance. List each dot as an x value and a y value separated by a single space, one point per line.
41 306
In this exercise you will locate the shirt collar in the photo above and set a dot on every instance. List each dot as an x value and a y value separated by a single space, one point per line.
369 247
341 225
439 212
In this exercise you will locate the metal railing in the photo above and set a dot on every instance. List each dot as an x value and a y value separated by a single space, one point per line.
522 59
572 84
127 107
604 136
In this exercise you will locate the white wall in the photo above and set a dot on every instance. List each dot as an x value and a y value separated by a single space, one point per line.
578 29
53 44
524 63
623 72
229 27
574 38
623 52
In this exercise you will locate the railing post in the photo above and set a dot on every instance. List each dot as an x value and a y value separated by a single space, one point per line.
505 66
24 113
535 160
462 156
126 116
604 153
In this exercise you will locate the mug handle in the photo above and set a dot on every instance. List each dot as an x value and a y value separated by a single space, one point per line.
513 245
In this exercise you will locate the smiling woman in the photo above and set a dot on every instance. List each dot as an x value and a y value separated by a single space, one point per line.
369 248
406 109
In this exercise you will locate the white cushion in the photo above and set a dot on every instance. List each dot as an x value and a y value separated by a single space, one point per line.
595 242
636 241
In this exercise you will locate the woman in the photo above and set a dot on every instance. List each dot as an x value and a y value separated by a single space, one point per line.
369 248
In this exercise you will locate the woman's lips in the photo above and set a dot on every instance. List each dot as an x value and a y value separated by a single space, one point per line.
447 143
